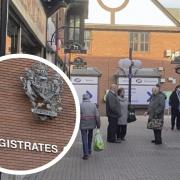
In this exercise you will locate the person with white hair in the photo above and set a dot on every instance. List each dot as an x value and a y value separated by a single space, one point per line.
113 111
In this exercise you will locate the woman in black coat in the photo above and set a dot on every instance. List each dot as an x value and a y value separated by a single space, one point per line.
174 102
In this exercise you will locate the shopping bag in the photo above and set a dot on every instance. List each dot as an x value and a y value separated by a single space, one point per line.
155 123
131 115
98 143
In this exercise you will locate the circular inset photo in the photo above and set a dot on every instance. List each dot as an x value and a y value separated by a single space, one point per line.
39 114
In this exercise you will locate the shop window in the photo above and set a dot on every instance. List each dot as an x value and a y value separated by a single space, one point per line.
87 39
12 37
139 41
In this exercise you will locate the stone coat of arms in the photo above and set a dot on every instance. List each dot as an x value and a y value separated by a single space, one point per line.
43 91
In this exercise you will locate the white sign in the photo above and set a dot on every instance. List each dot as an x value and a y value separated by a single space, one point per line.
25 145
139 94
141 89
92 90
139 81
84 80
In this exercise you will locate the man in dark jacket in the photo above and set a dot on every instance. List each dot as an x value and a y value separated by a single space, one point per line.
174 102
113 112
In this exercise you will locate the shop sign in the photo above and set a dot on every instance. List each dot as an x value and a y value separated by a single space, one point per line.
91 90
84 80
141 89
28 146
34 15
139 81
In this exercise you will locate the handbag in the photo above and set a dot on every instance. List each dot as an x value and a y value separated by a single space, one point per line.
98 143
131 115
155 123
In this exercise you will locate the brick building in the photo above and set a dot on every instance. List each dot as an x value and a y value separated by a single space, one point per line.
151 30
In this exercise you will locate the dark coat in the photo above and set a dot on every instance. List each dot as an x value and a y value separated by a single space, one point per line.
157 106
174 101
113 109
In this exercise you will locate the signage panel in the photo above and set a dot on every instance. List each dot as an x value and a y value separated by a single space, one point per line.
92 90
139 81
84 80
140 94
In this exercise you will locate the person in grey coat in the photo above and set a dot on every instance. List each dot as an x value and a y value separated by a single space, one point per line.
122 121
90 119
156 110
113 113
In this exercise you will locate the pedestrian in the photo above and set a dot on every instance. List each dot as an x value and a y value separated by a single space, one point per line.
122 121
90 119
174 102
156 111
113 113
158 86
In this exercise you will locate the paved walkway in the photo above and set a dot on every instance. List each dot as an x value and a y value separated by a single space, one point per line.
134 159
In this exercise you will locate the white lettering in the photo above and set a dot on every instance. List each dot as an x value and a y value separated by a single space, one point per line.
41 146
27 145
47 148
24 145
20 144
2 143
54 149
7 144
35 147
13 144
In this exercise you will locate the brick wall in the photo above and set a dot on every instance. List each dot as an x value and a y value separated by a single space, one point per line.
116 44
108 46
17 122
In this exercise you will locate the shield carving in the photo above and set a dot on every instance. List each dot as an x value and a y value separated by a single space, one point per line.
43 90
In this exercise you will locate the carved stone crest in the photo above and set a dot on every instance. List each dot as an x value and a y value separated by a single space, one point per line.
43 91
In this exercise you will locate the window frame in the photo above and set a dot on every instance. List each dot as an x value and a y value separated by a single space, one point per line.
142 44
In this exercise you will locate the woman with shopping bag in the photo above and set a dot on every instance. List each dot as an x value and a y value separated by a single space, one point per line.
90 119
156 114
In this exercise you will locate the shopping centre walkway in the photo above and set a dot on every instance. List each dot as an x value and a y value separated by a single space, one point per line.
134 159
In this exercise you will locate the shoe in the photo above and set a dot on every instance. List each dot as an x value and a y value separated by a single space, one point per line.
85 157
123 139
118 141
153 141
172 128
158 143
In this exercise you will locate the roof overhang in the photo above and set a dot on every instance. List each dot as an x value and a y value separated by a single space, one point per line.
107 27
52 6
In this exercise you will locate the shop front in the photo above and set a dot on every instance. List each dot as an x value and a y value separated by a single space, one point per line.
25 28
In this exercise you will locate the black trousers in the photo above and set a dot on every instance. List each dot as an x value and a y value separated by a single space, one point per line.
121 131
111 130
157 136
175 117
